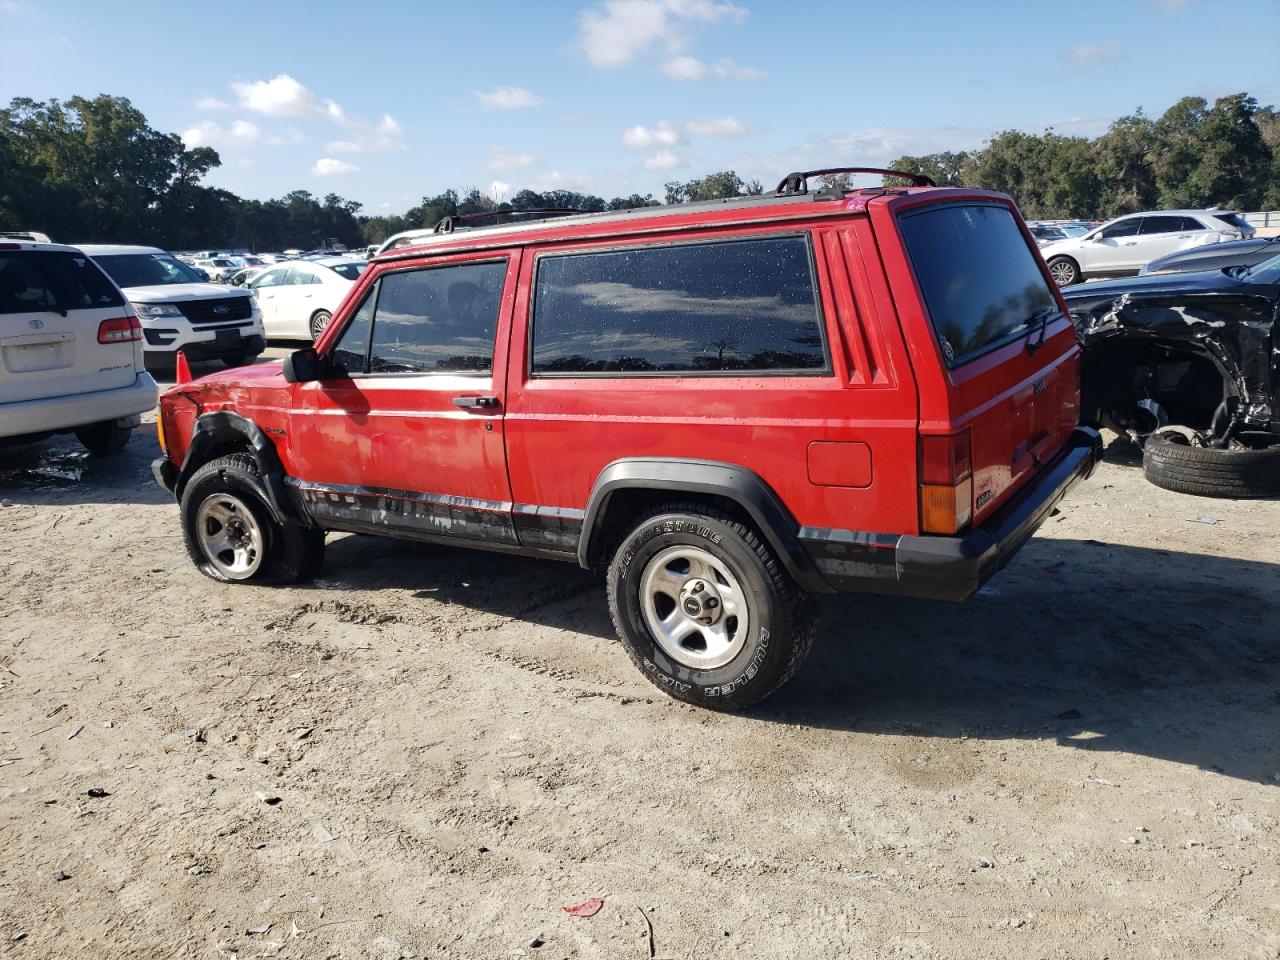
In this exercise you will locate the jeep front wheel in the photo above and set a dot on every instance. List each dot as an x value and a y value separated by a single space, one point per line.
705 610
231 534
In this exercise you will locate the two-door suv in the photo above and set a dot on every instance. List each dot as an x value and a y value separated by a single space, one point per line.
730 406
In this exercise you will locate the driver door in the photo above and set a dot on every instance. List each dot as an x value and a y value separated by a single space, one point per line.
404 432
1114 249
266 288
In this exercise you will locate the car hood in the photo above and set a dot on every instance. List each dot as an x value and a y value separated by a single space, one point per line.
177 292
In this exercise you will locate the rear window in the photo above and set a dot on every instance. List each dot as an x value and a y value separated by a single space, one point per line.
722 307
41 280
980 281
349 271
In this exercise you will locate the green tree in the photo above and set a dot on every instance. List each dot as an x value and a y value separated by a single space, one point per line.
945 169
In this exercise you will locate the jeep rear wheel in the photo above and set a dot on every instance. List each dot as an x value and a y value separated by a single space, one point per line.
705 610
1064 271
231 533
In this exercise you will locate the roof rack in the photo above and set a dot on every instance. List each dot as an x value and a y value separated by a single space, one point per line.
794 183
447 224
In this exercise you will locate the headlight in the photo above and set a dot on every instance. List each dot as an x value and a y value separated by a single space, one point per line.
157 311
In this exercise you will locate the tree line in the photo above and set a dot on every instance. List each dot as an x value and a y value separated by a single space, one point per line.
89 170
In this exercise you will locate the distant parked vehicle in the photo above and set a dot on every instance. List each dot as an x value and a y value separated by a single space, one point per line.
1046 234
179 311
242 277
70 349
1233 253
219 269
299 299
1121 247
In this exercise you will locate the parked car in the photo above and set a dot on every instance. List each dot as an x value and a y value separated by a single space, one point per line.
1231 253
219 269
243 277
70 350
299 299
731 406
180 311
1046 234
1186 364
1120 248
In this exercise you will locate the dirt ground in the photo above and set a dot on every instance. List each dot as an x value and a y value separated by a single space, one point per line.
1081 762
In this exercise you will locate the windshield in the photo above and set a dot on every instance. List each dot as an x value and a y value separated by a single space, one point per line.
349 271
146 269
35 281
1268 271
223 263
981 282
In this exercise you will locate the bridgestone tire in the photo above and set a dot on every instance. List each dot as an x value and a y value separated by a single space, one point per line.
101 439
294 553
782 618
1210 472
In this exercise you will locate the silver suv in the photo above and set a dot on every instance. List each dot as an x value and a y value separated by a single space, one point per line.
1123 246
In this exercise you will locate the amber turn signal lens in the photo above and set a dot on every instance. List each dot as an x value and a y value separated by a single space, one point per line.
160 432
945 508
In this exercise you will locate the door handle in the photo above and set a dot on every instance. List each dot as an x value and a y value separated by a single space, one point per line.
487 403
1130 243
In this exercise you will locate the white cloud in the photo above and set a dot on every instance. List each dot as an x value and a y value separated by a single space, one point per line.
507 98
1091 54
382 138
617 32
498 190
206 133
691 68
283 96
212 103
500 158
661 134
716 127
664 160
556 180
329 167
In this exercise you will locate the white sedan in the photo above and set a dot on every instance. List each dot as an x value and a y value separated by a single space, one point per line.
298 299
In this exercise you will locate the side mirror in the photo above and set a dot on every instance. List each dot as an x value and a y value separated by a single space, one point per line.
302 366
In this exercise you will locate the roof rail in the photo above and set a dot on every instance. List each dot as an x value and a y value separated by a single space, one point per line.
794 183
447 224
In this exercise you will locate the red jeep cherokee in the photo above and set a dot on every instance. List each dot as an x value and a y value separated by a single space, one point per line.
731 406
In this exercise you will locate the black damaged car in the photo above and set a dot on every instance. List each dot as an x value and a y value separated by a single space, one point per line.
1188 364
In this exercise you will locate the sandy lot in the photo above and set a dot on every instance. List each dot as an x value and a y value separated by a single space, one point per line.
1081 762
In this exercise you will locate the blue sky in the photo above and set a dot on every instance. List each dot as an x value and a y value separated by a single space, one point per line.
386 102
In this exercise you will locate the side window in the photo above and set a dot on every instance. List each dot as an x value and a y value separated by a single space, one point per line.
1125 228
300 276
729 306
1157 224
1191 223
437 319
353 347
272 278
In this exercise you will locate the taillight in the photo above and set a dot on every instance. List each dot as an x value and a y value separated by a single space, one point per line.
946 482
1230 234
119 330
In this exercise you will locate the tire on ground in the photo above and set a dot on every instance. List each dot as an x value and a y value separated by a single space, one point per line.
103 438
1065 271
781 617
1211 472
294 553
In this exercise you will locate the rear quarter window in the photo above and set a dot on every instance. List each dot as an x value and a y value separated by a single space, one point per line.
980 281
735 306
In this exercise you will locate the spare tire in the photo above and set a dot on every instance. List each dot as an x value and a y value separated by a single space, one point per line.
1172 463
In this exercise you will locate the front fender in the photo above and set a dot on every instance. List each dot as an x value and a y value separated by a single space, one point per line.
222 429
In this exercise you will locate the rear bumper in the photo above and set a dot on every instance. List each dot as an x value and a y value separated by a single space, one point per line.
52 414
951 568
